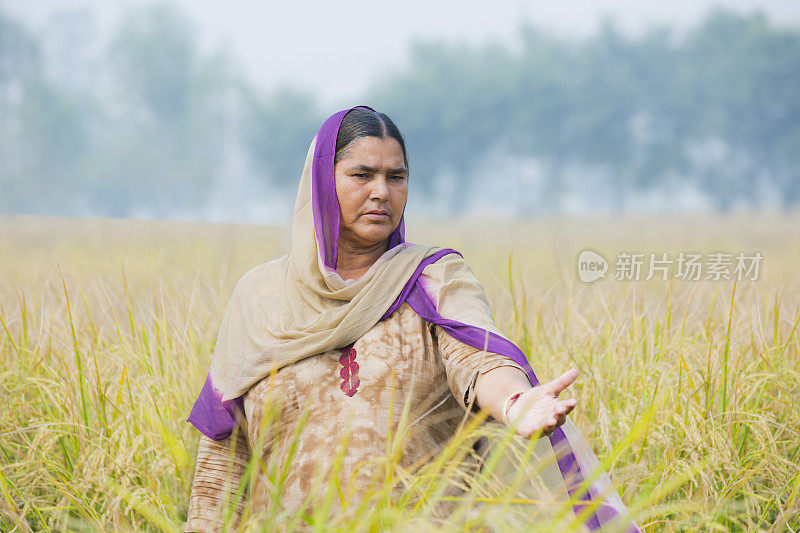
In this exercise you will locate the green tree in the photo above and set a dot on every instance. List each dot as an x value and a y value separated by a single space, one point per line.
20 65
167 149
277 131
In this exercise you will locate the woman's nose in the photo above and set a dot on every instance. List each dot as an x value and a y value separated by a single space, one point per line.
380 189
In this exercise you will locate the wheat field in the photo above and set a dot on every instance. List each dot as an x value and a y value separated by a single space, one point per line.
687 393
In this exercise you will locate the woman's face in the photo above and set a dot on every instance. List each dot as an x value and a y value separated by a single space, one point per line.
372 187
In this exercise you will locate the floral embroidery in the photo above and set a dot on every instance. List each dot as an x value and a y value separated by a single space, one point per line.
349 371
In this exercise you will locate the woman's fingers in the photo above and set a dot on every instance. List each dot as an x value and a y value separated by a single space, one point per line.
561 382
568 405
563 409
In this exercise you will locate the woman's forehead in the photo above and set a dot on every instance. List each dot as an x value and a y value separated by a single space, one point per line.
376 153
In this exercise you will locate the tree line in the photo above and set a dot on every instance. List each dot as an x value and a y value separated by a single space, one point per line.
149 124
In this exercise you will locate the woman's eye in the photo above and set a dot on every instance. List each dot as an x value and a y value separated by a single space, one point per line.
397 177
360 175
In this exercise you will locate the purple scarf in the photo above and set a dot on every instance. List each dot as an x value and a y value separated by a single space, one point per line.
216 419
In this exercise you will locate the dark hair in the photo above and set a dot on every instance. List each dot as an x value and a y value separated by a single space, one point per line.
361 122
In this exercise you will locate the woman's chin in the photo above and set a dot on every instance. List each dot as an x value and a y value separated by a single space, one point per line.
374 238
376 232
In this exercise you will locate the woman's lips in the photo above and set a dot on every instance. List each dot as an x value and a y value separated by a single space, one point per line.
377 216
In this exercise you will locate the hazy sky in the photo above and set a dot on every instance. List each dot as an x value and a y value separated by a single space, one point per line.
333 49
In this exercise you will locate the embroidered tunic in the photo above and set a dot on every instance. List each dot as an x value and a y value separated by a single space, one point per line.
357 392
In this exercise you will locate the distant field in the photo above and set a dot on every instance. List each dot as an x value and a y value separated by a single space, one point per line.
688 390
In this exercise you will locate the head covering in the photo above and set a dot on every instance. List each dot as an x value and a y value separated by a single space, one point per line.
299 306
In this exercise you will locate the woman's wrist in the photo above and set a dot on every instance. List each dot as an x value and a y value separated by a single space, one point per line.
507 403
494 386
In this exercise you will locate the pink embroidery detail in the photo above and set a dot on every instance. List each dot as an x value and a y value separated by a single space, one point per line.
349 371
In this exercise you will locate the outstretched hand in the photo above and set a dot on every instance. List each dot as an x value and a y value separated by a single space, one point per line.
540 410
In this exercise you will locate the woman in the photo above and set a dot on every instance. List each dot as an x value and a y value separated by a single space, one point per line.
351 326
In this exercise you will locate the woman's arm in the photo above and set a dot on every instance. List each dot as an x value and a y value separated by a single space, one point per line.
537 409
217 476
464 366
488 379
